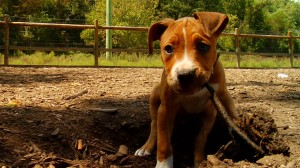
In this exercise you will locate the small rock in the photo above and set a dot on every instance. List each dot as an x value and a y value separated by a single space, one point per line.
282 75
273 160
123 149
213 160
111 157
37 166
51 166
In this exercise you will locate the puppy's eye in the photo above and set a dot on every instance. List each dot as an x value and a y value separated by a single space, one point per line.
169 49
202 47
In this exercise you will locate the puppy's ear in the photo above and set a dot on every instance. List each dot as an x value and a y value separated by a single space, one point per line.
212 22
156 30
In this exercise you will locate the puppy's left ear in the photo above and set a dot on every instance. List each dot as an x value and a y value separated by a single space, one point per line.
213 22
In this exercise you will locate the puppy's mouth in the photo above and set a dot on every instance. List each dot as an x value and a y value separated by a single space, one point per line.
189 87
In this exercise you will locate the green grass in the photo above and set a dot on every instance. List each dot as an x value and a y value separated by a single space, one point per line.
83 59
131 60
42 58
255 61
135 60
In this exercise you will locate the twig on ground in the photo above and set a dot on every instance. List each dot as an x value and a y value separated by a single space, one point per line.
76 95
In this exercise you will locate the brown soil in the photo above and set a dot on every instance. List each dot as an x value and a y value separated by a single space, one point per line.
43 120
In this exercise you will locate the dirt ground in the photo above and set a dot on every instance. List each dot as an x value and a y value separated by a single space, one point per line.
64 117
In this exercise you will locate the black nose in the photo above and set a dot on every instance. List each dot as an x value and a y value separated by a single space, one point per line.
186 78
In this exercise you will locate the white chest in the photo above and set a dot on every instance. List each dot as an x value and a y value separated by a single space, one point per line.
196 102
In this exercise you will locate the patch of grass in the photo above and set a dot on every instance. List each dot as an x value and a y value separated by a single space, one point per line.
265 62
137 60
42 58
131 60
1 59
255 61
228 61
84 59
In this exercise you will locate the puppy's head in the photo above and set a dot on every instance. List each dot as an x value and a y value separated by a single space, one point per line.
188 48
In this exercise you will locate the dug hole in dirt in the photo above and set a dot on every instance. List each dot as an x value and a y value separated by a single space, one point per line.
98 117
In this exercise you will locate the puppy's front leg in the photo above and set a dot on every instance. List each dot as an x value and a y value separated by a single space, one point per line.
208 120
165 124
148 147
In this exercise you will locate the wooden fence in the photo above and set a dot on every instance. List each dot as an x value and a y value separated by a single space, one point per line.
96 49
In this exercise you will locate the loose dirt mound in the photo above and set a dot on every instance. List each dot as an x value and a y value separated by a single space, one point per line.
81 116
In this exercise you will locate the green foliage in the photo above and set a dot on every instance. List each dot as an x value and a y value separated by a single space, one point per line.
125 13
250 16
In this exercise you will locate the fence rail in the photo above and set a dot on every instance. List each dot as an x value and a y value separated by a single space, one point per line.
96 49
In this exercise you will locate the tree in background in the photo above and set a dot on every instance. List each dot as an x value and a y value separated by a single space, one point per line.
250 16
51 11
125 13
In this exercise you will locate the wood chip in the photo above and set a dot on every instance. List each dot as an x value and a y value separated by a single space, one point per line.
79 144
101 161
106 149
76 95
105 110
30 155
55 133
113 166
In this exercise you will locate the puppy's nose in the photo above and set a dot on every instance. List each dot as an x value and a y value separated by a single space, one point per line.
186 78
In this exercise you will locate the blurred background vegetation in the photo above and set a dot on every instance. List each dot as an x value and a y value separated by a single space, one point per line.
250 16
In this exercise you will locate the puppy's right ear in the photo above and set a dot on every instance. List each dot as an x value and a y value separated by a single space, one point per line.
155 32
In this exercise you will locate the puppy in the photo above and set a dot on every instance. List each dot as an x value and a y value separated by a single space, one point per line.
188 52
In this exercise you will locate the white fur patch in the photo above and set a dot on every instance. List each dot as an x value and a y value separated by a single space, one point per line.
142 152
194 103
204 90
215 86
184 64
168 163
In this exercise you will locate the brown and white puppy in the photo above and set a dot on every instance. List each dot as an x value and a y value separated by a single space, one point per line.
188 52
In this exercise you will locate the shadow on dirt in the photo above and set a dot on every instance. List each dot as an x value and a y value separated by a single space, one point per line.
6 78
56 131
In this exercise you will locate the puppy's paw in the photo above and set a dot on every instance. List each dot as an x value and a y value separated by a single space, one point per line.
167 163
142 152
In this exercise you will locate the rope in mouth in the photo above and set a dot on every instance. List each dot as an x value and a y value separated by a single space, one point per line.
215 100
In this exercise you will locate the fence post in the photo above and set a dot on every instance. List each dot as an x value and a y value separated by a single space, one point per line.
6 40
96 43
291 49
237 47
108 42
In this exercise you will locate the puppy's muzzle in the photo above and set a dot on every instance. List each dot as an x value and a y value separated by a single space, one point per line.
186 78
